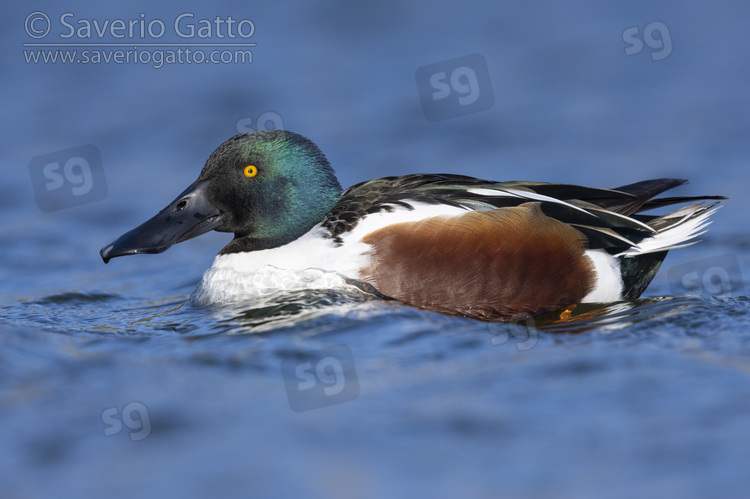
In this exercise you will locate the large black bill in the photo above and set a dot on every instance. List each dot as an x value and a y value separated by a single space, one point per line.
188 216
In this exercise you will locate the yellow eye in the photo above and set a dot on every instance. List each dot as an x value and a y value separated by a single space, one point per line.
251 170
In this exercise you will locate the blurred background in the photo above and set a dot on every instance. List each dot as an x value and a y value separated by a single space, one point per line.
577 92
568 103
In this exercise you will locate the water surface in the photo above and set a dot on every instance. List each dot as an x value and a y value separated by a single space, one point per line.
115 384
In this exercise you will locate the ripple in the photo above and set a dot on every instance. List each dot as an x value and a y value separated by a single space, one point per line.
75 297
288 309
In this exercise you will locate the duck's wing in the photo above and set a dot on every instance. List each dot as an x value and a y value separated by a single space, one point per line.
606 217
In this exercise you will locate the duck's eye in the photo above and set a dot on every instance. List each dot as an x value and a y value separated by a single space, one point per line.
251 171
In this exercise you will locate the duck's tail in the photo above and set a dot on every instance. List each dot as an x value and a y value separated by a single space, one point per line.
674 230
639 264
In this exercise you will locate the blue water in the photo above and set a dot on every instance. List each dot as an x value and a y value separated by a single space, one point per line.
113 384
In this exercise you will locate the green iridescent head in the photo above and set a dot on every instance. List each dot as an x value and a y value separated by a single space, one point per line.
268 188
271 186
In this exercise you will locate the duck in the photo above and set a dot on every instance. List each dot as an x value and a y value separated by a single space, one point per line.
450 243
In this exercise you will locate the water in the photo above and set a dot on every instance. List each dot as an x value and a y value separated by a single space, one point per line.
114 383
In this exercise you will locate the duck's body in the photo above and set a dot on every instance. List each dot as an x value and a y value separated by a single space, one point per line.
455 244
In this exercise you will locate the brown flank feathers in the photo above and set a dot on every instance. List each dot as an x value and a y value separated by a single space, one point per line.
505 263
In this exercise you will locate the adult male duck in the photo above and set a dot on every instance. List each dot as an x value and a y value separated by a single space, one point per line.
450 243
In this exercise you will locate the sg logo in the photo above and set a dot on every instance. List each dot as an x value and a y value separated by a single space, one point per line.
244 125
523 332
719 275
325 377
134 415
68 178
661 46
463 81
455 87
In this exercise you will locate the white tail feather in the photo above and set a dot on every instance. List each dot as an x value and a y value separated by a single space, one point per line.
681 226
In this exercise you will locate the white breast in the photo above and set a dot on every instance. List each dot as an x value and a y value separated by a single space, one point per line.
313 261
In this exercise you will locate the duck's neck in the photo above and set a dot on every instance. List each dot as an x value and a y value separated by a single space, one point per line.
300 214
247 243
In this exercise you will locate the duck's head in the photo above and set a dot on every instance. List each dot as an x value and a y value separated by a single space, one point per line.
268 188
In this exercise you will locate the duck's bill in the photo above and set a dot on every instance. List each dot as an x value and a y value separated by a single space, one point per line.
188 216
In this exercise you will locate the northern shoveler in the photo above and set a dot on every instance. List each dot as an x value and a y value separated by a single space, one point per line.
450 243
